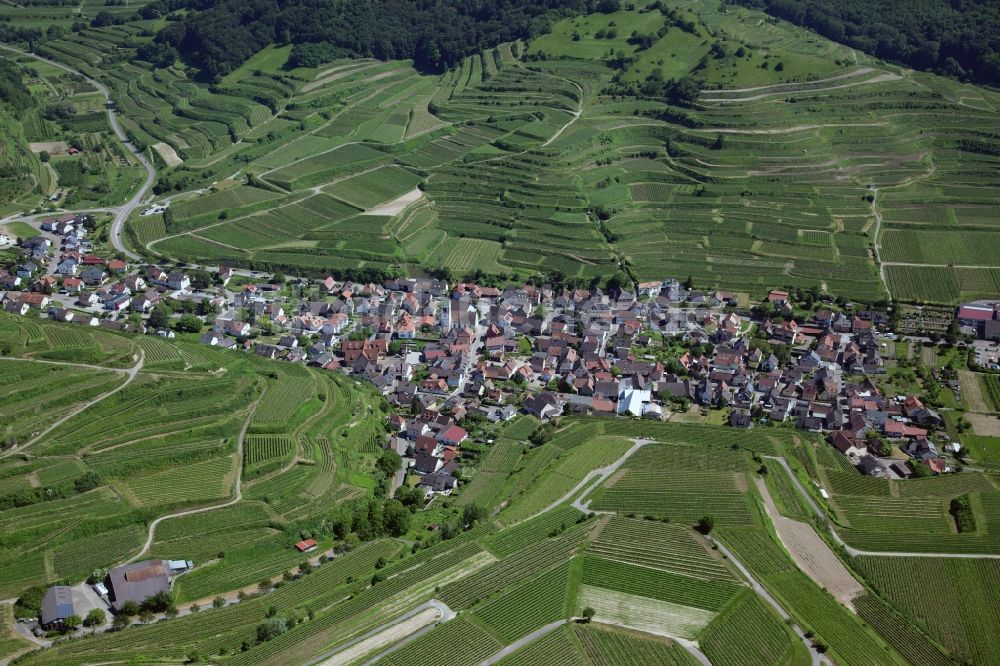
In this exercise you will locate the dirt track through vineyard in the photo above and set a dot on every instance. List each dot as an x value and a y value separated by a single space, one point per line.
811 553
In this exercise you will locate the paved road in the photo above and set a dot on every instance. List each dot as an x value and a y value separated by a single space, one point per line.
236 498
470 360
131 374
598 476
877 242
855 552
780 86
588 483
521 642
121 212
817 658
445 614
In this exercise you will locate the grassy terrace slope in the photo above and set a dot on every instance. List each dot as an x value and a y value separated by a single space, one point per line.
79 496
537 561
796 155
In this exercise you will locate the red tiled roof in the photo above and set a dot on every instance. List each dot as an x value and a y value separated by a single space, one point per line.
454 434
975 312
305 545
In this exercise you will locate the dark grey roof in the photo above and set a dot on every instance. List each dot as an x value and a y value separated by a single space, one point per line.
138 581
57 604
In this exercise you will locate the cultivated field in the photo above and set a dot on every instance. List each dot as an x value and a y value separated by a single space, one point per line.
772 176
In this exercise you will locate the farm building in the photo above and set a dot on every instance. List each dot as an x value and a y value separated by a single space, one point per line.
137 581
57 605
179 566
306 546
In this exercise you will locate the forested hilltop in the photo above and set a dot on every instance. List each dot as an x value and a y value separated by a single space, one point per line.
436 34
957 38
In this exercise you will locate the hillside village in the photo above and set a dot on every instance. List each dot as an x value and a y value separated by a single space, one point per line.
453 357
500 333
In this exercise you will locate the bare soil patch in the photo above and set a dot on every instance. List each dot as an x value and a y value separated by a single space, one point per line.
51 147
811 553
984 425
168 154
397 205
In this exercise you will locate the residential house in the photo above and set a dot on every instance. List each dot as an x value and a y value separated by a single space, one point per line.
93 276
453 436
178 281
543 406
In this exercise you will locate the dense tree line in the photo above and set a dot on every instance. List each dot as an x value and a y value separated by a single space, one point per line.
220 36
958 38
13 94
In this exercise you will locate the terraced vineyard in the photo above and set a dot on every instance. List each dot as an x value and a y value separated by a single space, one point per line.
749 633
456 643
563 474
834 624
530 160
556 647
523 535
167 441
607 646
205 480
528 606
908 640
518 567
907 516
672 588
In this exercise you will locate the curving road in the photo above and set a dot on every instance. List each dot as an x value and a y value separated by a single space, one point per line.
588 483
597 477
343 654
121 212
188 512
131 375
876 244
855 552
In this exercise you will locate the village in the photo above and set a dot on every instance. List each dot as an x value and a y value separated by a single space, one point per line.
455 358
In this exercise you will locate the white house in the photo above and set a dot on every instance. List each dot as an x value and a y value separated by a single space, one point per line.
178 281
631 401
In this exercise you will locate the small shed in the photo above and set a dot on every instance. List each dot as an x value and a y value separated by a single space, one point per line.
306 546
